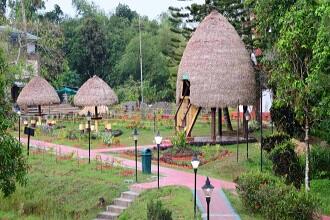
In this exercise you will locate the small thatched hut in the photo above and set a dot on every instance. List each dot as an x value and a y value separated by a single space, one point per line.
38 92
95 92
215 72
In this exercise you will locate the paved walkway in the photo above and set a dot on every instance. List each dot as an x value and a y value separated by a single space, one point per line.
220 207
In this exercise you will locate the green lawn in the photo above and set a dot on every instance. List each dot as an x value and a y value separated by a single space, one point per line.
239 208
229 169
63 190
320 188
177 199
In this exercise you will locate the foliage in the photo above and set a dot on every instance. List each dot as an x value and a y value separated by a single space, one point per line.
320 160
284 118
71 135
269 196
320 189
270 142
13 167
156 211
295 38
286 163
107 138
179 142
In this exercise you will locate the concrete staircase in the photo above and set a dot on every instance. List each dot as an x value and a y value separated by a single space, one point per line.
119 205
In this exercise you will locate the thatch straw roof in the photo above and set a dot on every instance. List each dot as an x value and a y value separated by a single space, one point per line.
217 65
37 92
95 92
100 110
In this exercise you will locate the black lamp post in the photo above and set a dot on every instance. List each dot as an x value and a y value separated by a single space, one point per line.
195 163
208 189
89 118
19 126
158 140
135 137
247 118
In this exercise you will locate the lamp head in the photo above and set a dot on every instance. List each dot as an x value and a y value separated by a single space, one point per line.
135 134
195 162
158 138
19 113
208 188
247 116
89 116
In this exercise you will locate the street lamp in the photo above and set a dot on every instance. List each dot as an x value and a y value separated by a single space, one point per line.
89 118
247 118
158 140
135 137
208 189
19 125
195 163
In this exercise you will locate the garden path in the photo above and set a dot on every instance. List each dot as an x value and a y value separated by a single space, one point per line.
220 207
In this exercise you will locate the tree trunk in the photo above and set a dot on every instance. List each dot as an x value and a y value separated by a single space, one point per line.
213 126
227 118
307 155
245 128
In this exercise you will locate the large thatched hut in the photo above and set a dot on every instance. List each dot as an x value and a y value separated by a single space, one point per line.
215 72
38 92
95 92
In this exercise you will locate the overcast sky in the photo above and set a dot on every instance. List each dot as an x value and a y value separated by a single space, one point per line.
151 8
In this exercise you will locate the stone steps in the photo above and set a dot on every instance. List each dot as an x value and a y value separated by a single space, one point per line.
119 205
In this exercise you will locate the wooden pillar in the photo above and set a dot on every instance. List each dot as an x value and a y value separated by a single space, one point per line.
220 122
245 108
213 126
96 113
39 110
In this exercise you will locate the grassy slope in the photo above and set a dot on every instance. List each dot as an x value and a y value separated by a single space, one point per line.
62 190
321 189
179 200
239 208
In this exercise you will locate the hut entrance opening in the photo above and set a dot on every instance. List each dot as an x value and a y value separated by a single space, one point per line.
186 88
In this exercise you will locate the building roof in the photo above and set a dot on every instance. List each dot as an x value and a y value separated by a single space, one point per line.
217 65
37 92
95 92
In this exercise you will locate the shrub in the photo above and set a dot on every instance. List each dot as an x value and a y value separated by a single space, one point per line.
286 163
71 135
271 141
284 119
320 160
269 196
179 142
156 211
248 186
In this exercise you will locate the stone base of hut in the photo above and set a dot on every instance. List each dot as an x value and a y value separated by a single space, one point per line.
224 140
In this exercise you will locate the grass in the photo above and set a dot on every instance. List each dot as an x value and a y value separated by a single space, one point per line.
177 199
229 169
239 207
320 188
63 190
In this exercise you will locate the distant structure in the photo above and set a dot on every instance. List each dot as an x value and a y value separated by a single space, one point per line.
215 72
14 36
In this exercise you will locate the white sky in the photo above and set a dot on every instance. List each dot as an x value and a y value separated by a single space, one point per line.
151 8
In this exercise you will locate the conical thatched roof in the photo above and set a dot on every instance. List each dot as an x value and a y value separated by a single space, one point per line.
217 65
95 92
37 92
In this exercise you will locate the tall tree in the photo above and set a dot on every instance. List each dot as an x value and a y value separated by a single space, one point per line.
298 59
13 166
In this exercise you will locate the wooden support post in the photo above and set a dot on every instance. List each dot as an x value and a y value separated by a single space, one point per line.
220 122
213 127
39 110
245 108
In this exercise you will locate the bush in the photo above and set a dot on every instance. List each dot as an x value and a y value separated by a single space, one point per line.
286 163
179 142
271 141
284 119
320 160
269 196
156 211
71 135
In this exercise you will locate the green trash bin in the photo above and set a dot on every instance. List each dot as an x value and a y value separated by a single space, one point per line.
146 155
